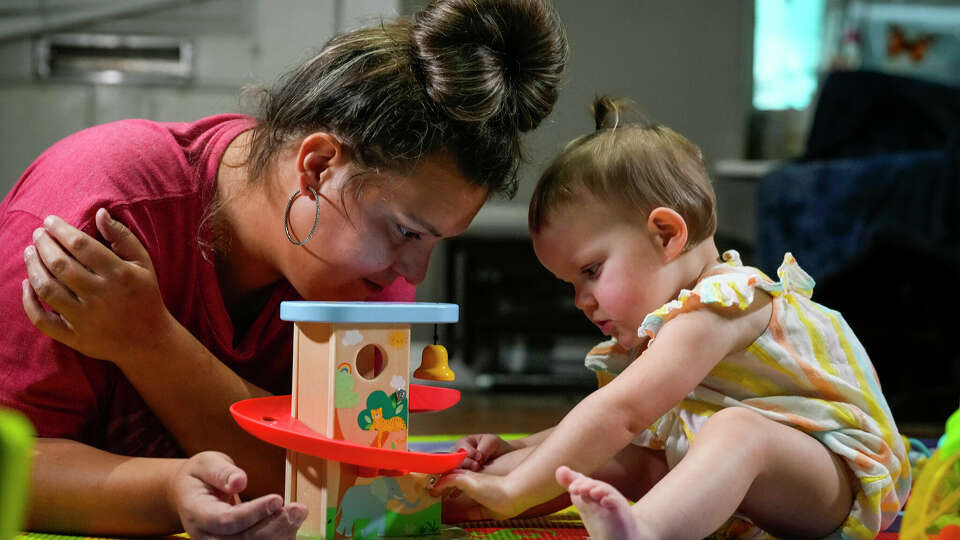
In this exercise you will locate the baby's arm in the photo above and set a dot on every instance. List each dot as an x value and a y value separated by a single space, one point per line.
606 421
483 449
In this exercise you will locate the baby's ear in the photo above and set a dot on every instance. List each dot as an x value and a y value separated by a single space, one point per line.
669 231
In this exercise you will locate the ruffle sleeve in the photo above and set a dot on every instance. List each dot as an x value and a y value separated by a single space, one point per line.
734 286
725 290
609 356
792 278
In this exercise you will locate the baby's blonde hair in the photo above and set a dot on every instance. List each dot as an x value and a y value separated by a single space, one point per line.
635 166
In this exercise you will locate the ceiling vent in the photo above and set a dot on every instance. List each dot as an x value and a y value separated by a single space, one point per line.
114 58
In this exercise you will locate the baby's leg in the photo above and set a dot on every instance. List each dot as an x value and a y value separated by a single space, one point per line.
633 471
784 480
603 506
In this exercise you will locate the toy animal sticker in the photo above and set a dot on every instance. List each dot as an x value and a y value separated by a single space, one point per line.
384 415
388 506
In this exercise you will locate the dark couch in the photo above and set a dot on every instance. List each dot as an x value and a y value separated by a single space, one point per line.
872 211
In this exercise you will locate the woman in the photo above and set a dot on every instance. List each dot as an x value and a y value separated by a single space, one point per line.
358 163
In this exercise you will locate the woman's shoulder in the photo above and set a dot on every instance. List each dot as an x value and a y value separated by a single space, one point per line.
162 145
123 162
114 144
140 134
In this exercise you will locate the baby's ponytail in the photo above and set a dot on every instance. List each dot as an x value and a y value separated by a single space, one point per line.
611 113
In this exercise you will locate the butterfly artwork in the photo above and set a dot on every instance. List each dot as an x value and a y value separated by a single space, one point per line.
898 43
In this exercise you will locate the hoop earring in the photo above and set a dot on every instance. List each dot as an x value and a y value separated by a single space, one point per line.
316 217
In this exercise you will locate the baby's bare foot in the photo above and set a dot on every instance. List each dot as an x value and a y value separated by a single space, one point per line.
604 510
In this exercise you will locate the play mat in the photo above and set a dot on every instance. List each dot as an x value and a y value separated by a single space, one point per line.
565 524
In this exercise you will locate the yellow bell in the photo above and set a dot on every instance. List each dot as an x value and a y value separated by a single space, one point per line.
434 365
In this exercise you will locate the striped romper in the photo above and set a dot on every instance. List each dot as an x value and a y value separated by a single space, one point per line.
807 370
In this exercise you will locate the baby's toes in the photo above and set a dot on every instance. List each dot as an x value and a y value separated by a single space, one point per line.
566 476
598 491
581 486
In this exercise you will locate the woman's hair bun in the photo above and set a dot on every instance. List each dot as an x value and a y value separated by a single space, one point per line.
491 60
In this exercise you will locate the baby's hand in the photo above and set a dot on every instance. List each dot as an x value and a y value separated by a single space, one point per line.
481 449
479 496
205 492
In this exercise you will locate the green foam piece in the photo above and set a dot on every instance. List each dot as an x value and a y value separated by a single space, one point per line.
16 445
950 442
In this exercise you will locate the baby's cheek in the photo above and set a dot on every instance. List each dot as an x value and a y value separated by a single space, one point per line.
618 302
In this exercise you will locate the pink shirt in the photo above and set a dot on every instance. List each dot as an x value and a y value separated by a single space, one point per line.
158 179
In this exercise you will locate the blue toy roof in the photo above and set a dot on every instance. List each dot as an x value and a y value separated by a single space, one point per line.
369 312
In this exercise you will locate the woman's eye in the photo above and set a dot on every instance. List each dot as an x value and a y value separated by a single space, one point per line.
592 271
407 233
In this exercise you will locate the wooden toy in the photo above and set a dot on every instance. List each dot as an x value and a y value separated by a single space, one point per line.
345 426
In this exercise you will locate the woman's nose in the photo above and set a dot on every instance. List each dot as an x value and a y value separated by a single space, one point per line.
412 264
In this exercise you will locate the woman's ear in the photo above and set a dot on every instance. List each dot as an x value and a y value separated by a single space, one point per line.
669 230
317 154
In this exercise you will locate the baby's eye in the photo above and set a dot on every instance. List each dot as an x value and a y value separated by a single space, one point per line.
407 233
591 271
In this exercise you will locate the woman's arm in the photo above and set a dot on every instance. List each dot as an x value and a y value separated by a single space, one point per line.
76 488
80 489
106 304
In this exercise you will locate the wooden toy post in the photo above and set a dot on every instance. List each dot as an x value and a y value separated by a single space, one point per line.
351 370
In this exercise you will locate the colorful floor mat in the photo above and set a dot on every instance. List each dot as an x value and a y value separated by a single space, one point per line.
565 524
561 525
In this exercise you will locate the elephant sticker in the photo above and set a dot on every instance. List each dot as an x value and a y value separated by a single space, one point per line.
369 502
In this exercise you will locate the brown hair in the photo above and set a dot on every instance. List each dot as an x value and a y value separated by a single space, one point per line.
464 77
637 166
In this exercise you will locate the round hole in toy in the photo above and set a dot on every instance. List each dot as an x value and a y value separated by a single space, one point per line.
371 361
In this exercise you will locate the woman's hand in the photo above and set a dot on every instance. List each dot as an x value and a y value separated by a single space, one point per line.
104 302
205 492
481 449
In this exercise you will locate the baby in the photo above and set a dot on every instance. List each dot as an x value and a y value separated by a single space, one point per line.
734 405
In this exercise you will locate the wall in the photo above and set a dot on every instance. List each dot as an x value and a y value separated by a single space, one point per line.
687 63
236 42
